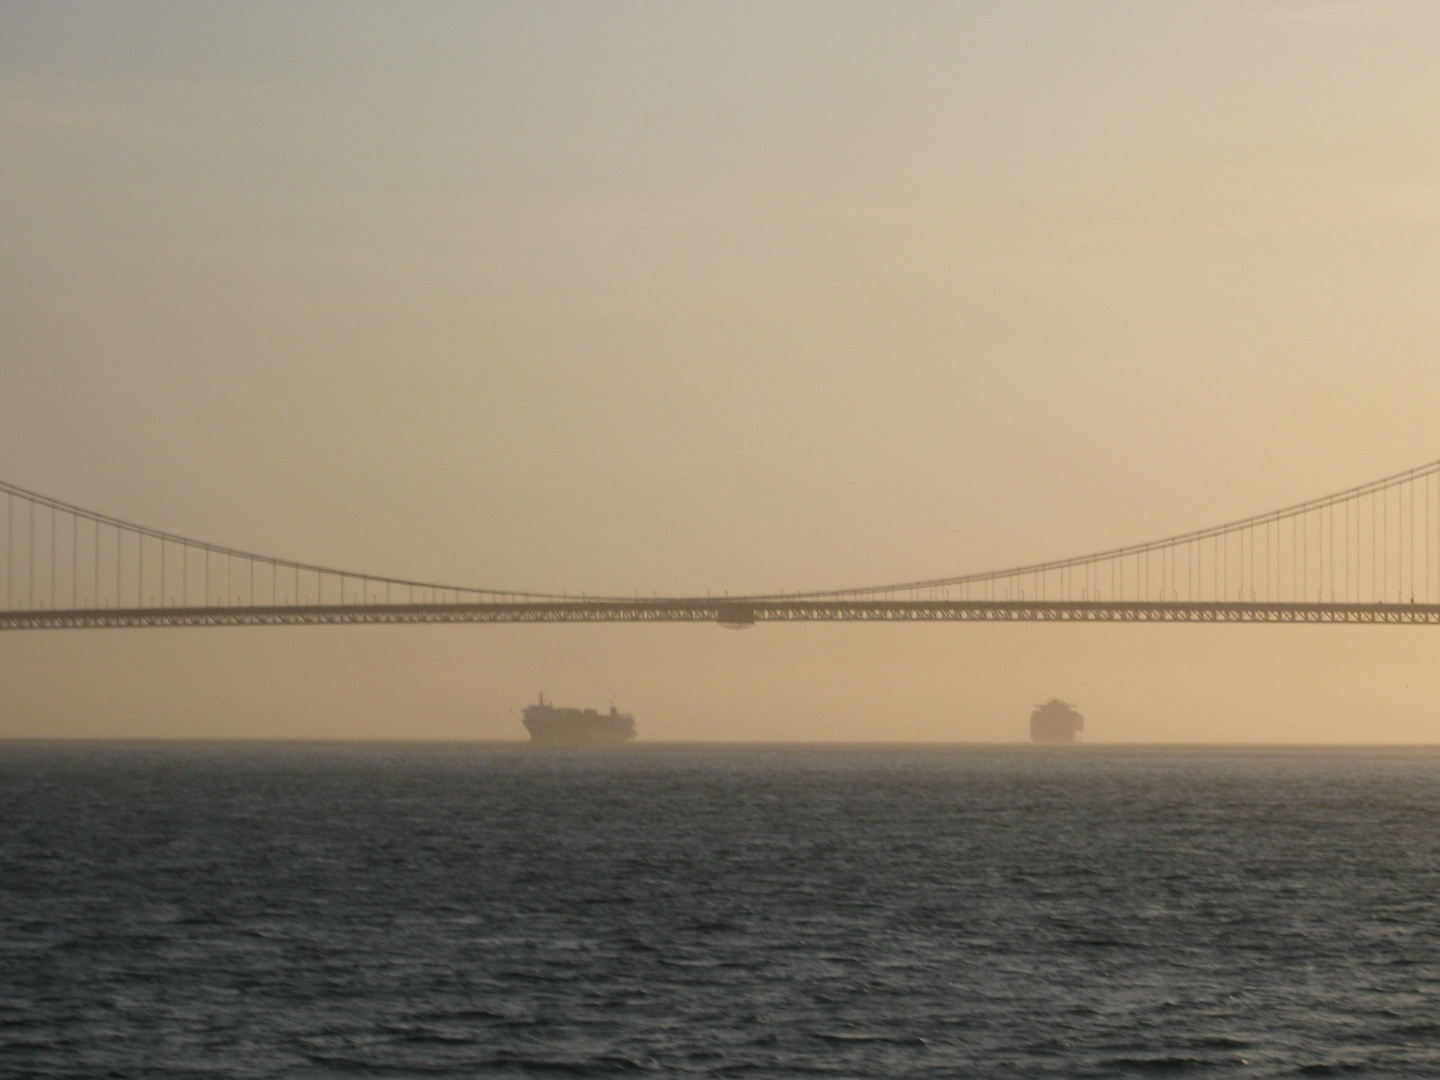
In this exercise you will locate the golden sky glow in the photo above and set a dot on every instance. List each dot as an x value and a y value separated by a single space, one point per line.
703 297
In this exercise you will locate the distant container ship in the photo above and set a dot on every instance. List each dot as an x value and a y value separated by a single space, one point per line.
1055 722
577 727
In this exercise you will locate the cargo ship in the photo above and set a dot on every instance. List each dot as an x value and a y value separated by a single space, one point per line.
577 727
1055 722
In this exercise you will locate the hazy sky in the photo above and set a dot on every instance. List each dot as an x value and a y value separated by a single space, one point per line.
688 297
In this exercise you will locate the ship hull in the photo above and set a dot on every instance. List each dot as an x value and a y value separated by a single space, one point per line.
560 733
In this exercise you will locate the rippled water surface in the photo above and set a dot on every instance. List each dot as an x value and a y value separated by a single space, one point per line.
175 911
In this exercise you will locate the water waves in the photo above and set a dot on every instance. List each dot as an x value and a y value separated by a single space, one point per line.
379 911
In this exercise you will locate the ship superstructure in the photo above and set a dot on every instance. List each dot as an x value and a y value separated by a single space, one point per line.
577 727
1056 722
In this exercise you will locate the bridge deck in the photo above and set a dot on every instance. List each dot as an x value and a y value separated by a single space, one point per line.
733 612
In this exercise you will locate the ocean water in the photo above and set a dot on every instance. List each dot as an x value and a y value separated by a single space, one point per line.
494 911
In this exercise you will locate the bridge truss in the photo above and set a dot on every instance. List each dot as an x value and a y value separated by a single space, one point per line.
1369 554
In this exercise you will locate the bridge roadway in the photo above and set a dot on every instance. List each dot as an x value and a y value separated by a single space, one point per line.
735 612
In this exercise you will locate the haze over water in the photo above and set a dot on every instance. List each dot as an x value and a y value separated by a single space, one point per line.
273 910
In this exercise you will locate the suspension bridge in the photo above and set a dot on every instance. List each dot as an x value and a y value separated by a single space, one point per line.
1368 554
